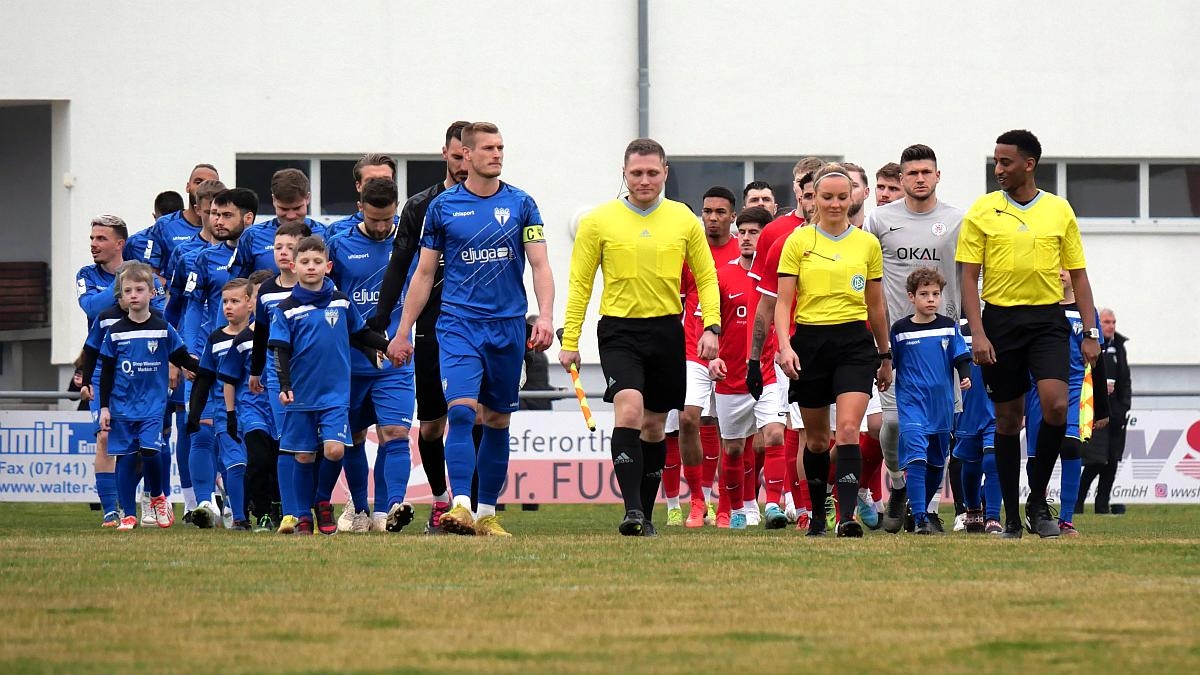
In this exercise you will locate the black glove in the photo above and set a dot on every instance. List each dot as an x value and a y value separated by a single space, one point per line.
231 424
754 378
193 426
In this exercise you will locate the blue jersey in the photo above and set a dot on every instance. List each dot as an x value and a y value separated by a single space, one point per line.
318 335
176 273
209 274
165 234
924 356
256 247
270 294
359 264
140 353
215 348
93 286
978 416
343 226
234 369
140 247
483 242
1033 403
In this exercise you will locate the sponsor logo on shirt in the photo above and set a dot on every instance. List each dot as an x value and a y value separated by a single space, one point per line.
363 296
358 256
485 255
917 253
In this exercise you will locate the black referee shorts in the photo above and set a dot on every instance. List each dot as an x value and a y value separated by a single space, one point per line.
646 355
1029 341
834 359
427 370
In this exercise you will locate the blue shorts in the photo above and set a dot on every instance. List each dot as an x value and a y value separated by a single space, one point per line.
181 394
970 448
277 409
255 414
386 397
94 408
917 445
307 430
231 453
482 360
129 436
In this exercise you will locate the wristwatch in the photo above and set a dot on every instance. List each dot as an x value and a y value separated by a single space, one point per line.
886 356
1092 333
714 329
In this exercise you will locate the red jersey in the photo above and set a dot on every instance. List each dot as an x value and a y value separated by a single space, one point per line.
693 321
779 228
738 302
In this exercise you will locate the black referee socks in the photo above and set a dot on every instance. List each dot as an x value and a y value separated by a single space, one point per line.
1008 465
654 457
849 466
816 468
1049 444
629 465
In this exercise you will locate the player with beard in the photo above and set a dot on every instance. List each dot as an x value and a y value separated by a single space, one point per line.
887 184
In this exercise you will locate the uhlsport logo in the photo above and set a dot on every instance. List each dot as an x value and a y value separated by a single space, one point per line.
331 316
858 282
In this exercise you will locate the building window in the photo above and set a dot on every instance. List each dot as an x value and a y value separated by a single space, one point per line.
1175 190
1103 190
1045 175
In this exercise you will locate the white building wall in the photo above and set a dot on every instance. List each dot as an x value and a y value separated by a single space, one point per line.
145 90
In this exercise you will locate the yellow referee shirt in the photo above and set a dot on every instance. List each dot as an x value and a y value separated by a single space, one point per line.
1021 248
831 273
642 255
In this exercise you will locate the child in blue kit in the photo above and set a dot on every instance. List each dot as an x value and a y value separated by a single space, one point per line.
975 447
134 386
927 348
311 334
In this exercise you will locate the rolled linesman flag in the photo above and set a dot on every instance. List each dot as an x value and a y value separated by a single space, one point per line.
583 403
1087 410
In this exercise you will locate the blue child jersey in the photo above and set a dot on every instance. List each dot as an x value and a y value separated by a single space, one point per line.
270 294
978 416
256 247
93 286
359 265
217 345
140 353
318 336
483 242
234 369
924 356
209 274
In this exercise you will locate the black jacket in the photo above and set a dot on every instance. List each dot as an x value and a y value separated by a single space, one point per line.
1116 362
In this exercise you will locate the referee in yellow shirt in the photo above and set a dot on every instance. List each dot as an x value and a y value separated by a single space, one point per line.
640 242
1021 237
833 271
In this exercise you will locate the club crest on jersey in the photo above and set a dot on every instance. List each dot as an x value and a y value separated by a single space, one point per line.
331 316
858 282
152 345
1077 327
501 214
938 228
945 343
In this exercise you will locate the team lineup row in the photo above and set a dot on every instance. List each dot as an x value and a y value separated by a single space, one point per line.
283 327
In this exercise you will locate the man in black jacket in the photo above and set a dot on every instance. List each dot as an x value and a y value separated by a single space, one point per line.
1103 453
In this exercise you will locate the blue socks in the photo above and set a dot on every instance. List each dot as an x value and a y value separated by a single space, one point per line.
493 464
972 482
164 465
285 471
357 470
303 487
991 485
915 475
127 480
1071 470
106 487
460 449
396 471
152 473
203 462
183 449
380 478
235 487
327 477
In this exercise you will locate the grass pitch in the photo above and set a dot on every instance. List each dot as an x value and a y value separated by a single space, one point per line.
567 594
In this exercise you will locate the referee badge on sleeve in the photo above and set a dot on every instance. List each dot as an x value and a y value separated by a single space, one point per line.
858 282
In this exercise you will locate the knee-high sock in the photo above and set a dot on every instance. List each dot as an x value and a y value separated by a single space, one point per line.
693 476
285 477
956 486
849 466
774 472
972 484
1008 467
460 451
710 445
477 438
933 484
327 476
1049 445
671 469
203 462
383 494
164 466
816 467
354 463
733 474
750 479
915 476
260 465
235 487
152 474
654 455
394 462
303 488
872 470
889 442
791 456
628 465
183 449
1072 467
991 485
127 480
493 464
106 488
433 460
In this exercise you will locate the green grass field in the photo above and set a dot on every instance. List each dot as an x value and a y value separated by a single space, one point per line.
567 594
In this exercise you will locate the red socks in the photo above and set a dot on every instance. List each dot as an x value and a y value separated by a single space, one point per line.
774 472
710 445
670 477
